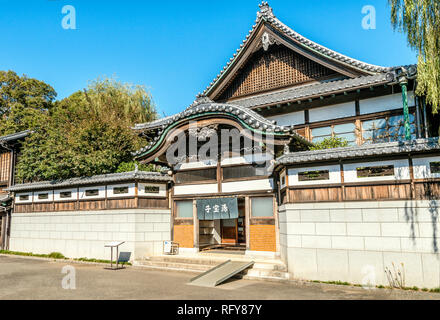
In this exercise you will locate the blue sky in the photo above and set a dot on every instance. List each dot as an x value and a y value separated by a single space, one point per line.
174 48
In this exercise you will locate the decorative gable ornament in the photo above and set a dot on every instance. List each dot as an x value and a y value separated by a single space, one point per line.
202 134
267 40
265 10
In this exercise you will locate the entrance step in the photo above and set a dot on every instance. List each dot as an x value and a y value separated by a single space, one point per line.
262 269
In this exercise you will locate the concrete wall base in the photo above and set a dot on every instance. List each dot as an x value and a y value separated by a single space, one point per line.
356 241
83 234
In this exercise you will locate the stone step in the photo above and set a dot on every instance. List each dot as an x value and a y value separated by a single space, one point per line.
258 273
271 271
213 261
187 260
176 265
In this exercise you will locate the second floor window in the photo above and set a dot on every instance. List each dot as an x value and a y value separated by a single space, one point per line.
387 129
346 131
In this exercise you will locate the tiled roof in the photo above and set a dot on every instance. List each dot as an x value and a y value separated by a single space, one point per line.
266 15
4 197
204 106
378 149
311 90
15 136
105 178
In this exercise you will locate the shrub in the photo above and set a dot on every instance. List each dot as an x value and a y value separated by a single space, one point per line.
330 143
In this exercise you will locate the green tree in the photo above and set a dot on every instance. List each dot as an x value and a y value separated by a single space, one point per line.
420 20
330 143
87 133
131 166
24 102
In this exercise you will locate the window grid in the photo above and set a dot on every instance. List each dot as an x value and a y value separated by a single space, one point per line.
346 131
387 129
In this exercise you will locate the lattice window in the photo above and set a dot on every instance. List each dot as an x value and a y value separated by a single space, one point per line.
5 162
276 68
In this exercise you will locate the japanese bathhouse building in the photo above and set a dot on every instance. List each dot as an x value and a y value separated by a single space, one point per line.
241 177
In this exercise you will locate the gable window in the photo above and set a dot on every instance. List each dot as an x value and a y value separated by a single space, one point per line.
196 175
345 131
152 189
314 175
379 171
387 129
43 196
66 195
435 167
120 190
92 192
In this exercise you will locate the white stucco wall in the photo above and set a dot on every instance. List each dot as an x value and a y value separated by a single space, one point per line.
81 234
345 241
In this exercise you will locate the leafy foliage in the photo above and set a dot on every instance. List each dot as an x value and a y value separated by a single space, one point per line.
87 133
420 20
24 102
131 166
330 143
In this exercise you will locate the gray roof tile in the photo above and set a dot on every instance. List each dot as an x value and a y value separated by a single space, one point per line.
378 149
310 90
266 15
105 178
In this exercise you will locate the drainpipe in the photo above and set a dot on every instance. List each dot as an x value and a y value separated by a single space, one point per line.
419 115
425 117
404 85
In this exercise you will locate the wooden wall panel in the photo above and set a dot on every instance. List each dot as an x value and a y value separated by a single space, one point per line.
276 68
378 192
154 203
5 165
92 205
23 208
65 206
427 190
121 203
184 235
42 207
316 194
263 238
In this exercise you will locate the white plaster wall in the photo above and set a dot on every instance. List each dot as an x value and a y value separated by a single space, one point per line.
289 119
101 195
346 241
131 190
248 159
334 175
336 111
196 189
18 195
57 194
81 234
422 168
162 190
49 193
249 185
401 171
385 103
195 165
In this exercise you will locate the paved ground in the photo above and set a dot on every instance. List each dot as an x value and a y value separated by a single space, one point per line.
24 278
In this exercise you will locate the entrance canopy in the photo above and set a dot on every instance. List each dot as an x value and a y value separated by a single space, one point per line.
204 120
